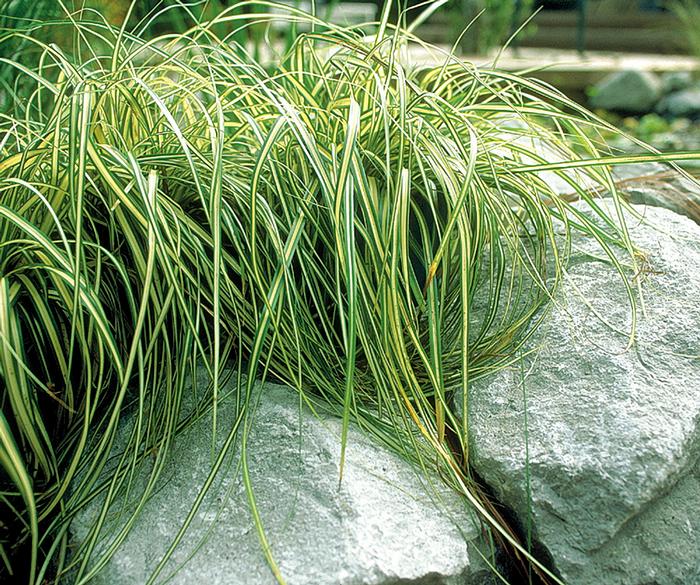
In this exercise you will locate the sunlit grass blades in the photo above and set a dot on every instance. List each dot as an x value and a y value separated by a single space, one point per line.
372 234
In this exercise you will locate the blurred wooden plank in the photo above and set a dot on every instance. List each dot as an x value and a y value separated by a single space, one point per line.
656 40
638 32
606 19
567 70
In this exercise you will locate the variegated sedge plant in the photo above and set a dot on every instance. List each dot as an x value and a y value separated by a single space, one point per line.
329 219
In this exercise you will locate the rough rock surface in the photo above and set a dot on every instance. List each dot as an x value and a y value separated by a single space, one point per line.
627 91
595 446
384 525
659 186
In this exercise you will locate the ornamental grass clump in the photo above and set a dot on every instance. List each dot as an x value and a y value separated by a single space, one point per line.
374 235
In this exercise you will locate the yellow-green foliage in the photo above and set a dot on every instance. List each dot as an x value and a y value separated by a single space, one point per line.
330 219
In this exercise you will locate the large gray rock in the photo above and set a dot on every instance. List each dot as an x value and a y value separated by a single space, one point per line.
383 525
627 91
592 444
529 147
676 80
684 103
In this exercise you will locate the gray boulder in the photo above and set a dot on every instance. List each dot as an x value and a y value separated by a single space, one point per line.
676 80
679 194
595 445
684 103
627 91
660 186
383 525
